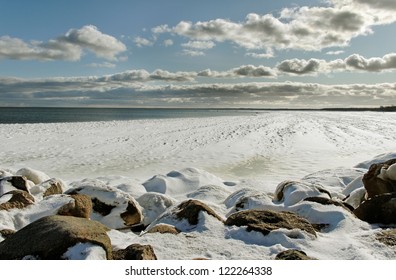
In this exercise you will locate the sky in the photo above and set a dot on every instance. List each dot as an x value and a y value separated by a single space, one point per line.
209 54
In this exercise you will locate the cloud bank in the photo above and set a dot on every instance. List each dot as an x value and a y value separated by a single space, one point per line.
133 89
302 28
69 46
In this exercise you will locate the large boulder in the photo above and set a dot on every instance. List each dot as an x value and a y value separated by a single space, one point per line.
111 206
292 192
50 237
135 252
378 209
154 204
265 221
380 178
18 199
190 210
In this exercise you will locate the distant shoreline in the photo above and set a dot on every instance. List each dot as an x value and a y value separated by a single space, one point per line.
347 109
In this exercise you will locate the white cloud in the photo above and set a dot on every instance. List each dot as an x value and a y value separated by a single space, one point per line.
200 45
102 65
168 43
193 53
300 66
335 52
353 63
142 42
66 47
375 64
302 28
268 54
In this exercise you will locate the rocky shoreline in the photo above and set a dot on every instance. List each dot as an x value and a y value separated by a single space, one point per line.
62 216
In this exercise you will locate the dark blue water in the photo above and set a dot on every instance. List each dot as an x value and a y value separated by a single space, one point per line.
53 115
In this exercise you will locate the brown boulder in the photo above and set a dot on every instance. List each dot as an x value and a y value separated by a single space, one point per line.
265 221
135 252
20 199
378 209
190 210
375 180
292 255
80 207
50 237
115 208
163 228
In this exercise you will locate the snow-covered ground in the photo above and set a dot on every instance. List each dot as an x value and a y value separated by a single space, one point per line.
217 160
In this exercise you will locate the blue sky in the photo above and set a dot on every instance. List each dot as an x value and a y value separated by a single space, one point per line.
224 53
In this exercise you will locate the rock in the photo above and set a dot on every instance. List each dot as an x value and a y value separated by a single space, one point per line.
292 192
190 210
5 233
387 237
292 255
163 228
328 201
247 198
20 199
111 206
133 215
49 187
378 209
154 204
212 193
13 183
378 180
265 221
33 175
50 237
135 252
80 207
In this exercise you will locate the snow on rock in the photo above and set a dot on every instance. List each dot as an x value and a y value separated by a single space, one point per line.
85 251
186 216
125 184
154 204
112 207
356 197
181 182
46 207
212 193
33 175
48 187
335 180
292 192
12 183
247 198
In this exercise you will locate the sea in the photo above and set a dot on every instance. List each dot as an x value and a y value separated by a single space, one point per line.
10 115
